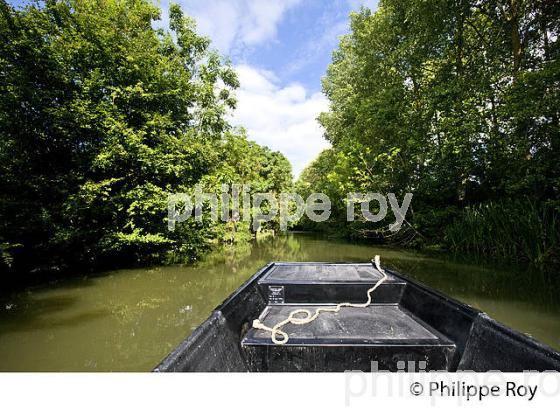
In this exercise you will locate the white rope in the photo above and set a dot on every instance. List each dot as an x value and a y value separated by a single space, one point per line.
308 318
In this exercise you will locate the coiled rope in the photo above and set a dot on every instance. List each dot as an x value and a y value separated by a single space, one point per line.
308 317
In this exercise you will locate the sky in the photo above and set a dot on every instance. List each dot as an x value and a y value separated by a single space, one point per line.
280 49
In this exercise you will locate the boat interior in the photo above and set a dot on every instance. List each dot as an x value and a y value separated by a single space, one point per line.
407 327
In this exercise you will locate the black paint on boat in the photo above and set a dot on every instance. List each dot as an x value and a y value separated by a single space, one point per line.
408 327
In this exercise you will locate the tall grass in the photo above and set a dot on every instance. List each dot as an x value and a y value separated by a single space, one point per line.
521 229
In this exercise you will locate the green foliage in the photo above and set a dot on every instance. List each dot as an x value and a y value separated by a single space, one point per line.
101 117
512 229
454 101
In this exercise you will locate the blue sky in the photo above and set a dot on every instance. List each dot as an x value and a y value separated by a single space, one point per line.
281 49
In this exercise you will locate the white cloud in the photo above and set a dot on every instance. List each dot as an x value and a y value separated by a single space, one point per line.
236 24
282 118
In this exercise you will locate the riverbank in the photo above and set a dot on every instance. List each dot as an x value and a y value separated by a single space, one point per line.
510 231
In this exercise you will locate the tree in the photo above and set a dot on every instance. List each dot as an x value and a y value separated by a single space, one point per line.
101 117
454 101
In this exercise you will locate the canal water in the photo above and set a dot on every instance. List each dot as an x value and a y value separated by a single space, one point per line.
128 320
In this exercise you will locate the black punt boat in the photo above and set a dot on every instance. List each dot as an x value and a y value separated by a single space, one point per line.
408 326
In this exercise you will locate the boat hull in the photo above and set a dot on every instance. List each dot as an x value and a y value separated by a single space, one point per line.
409 327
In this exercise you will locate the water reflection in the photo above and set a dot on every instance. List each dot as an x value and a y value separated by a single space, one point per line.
130 319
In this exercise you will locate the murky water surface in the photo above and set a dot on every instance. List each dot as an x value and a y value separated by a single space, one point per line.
128 320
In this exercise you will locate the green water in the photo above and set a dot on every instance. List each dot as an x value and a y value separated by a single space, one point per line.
128 320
